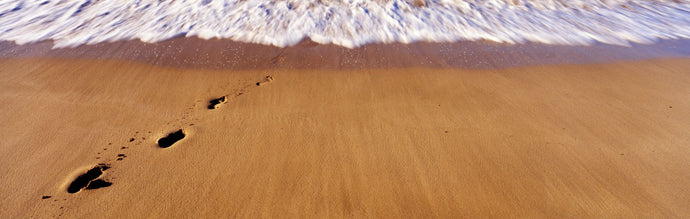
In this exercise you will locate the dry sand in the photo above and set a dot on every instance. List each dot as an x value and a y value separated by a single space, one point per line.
596 140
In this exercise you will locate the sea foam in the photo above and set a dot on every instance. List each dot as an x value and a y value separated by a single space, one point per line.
348 23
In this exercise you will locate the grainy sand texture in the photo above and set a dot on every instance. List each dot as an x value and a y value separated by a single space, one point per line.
118 138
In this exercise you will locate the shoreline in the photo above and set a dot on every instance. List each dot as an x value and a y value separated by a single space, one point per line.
182 52
386 131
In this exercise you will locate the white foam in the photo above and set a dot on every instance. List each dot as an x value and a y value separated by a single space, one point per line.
348 23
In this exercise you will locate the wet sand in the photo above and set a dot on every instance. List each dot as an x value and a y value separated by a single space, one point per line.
567 140
219 54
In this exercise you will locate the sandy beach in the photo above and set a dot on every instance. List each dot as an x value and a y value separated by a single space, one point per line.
532 140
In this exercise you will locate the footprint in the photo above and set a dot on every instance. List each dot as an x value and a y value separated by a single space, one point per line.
267 79
169 140
213 104
121 156
90 180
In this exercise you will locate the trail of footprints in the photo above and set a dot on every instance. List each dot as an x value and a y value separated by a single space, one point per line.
93 178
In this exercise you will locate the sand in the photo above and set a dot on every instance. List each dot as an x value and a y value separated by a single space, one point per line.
224 54
587 140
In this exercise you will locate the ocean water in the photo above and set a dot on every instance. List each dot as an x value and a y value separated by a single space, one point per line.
348 23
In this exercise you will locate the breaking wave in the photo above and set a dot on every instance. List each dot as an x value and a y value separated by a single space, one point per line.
348 23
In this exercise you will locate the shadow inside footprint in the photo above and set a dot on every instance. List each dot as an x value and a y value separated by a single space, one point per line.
213 104
169 140
89 179
98 183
